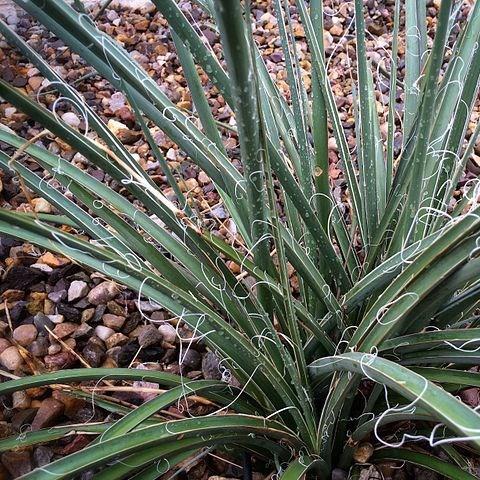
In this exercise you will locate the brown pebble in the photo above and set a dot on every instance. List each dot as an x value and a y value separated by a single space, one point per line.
363 452
102 293
18 463
11 358
60 360
113 321
64 329
48 413
115 340
21 400
4 344
53 261
25 334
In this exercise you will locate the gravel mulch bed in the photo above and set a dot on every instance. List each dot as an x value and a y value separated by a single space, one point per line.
55 315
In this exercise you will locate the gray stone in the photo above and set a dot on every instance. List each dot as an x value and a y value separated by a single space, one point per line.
41 321
168 332
211 367
149 335
93 354
103 332
83 330
71 119
42 456
39 348
191 359
102 293
78 289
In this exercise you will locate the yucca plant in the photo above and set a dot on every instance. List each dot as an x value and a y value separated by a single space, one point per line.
383 328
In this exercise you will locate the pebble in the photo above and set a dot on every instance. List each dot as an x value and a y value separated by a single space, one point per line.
42 267
53 261
103 332
87 315
39 348
203 178
10 111
115 340
337 30
11 358
18 463
131 323
216 477
36 302
148 306
339 474
41 321
56 318
83 330
22 418
71 403
363 452
71 119
65 329
42 456
19 81
4 344
471 396
93 354
78 289
191 359
25 334
115 308
149 335
60 361
20 278
168 333
21 400
102 293
57 297
122 132
68 312
211 367
142 6
113 321
40 205
49 411
117 100
98 314
54 348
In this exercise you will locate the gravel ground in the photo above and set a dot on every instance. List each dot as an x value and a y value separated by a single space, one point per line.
55 315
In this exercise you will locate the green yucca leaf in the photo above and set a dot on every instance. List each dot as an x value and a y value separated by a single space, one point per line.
449 376
372 176
47 435
366 428
433 399
469 338
416 45
297 469
137 416
417 161
169 438
424 460
137 461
